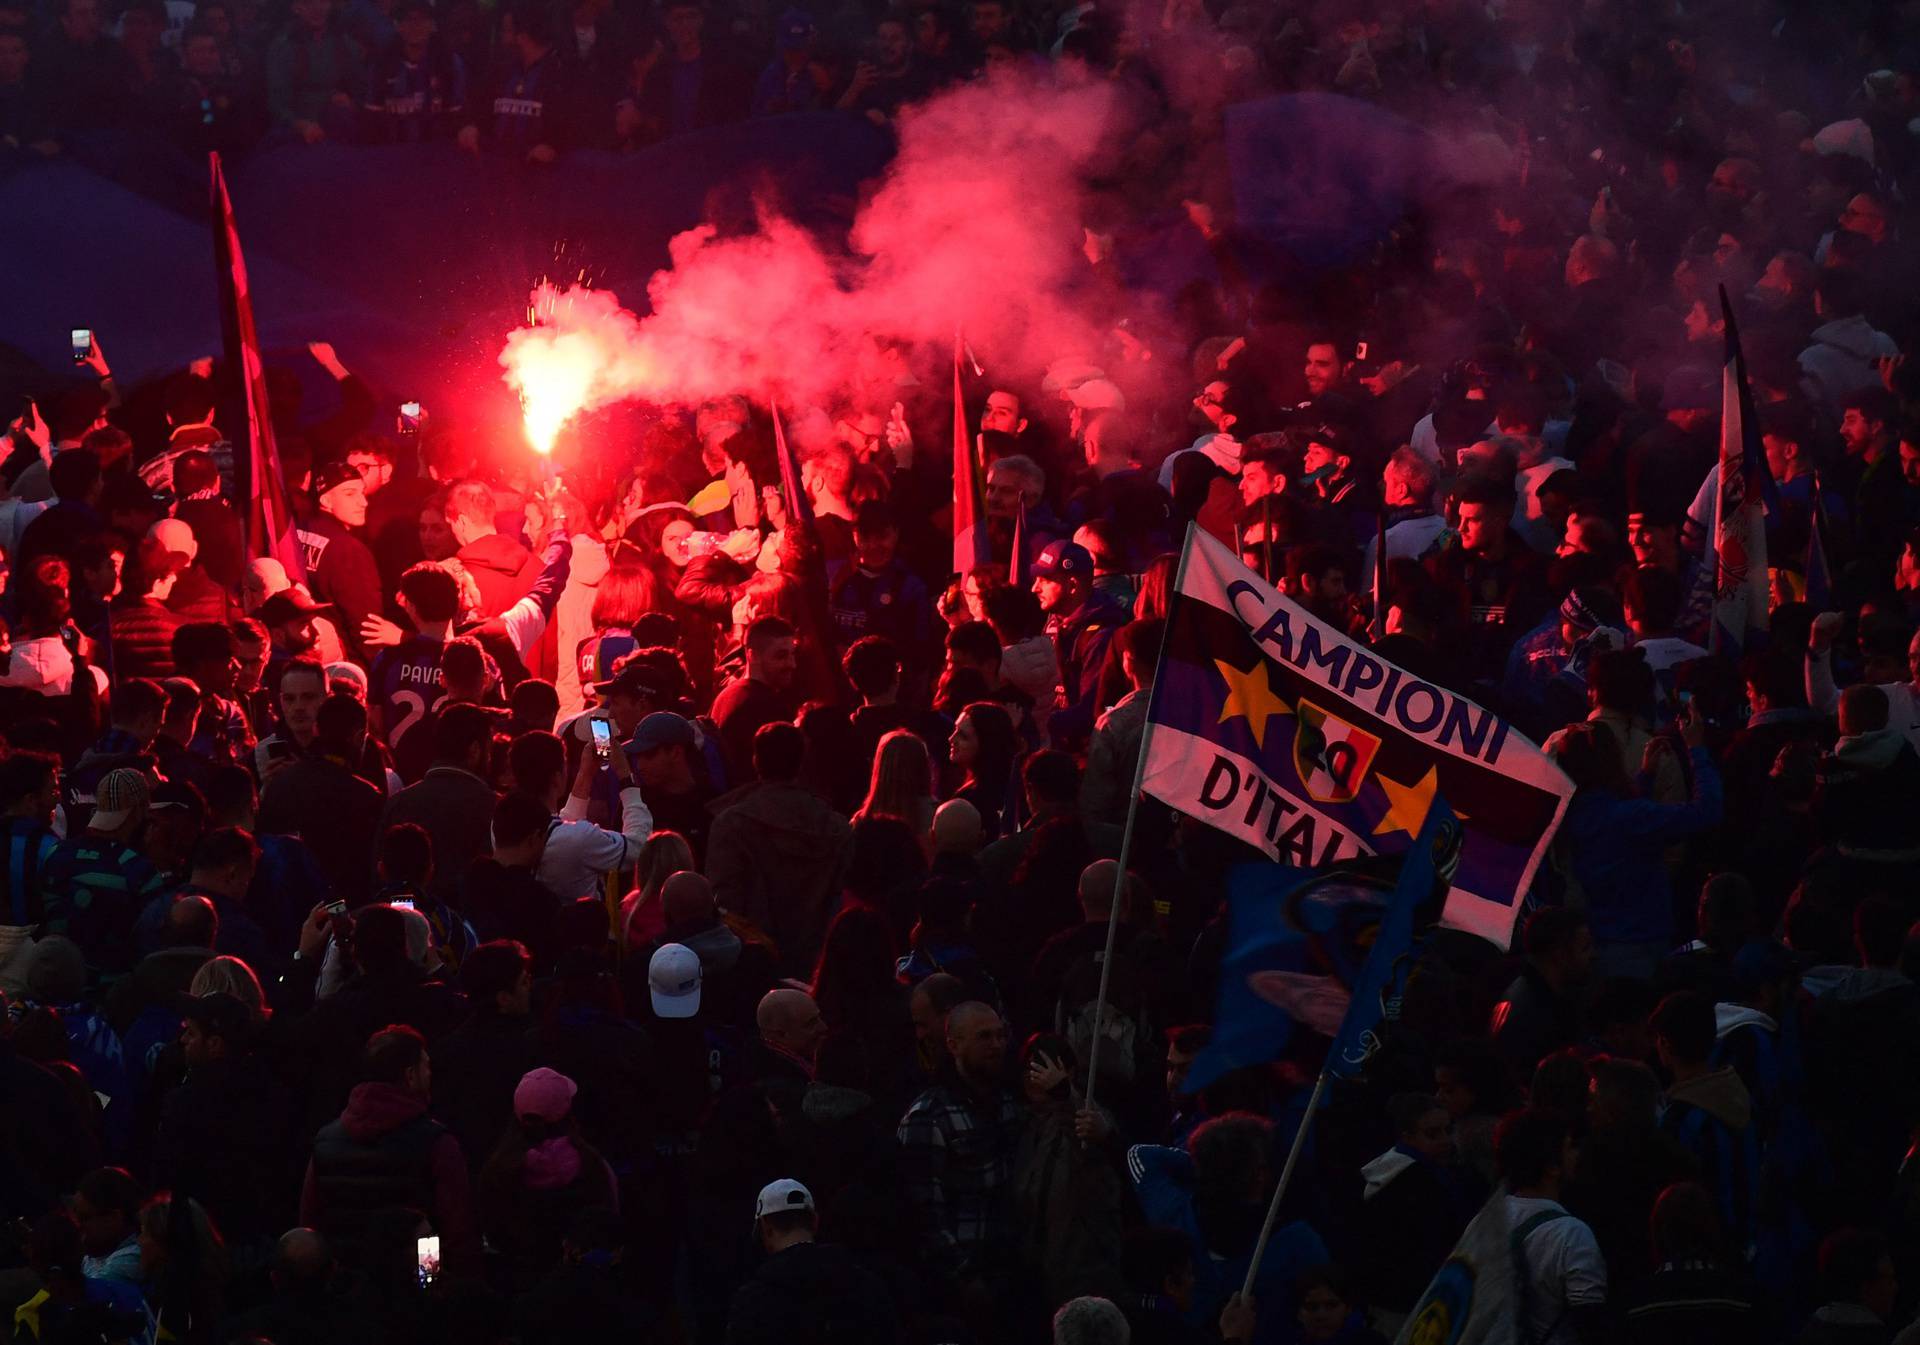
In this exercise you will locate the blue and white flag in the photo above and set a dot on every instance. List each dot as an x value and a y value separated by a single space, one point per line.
1277 729
1329 952
1740 590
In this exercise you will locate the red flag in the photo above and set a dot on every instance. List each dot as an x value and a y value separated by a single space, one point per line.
799 510
269 511
969 515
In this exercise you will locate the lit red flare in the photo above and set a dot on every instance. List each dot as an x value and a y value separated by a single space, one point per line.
576 354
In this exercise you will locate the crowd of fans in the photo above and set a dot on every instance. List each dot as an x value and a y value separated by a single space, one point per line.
529 81
551 912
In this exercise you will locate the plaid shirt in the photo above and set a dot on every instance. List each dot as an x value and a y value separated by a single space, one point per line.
957 1150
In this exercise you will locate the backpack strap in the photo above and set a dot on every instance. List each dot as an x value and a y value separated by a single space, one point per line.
1523 1277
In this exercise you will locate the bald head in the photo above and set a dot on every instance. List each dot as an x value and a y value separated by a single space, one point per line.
965 1015
956 828
1096 888
192 922
303 1257
790 1021
686 900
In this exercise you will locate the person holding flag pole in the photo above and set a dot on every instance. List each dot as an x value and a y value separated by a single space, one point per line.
1428 866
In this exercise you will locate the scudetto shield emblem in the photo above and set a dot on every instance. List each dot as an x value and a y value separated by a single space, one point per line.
1332 756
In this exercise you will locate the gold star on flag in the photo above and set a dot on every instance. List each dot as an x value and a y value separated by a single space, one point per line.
1407 805
1248 694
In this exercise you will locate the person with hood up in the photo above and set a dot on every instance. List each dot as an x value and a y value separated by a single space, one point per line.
776 853
1413 1208
1710 1112
1845 349
1864 803
541 1176
384 1152
805 1290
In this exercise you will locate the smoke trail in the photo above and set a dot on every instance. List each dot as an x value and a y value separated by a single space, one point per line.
975 227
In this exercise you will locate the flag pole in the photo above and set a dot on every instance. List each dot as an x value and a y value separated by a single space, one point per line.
1126 842
1266 537
1286 1178
1380 570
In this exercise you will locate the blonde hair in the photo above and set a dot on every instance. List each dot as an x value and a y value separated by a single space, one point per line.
902 782
231 976
664 854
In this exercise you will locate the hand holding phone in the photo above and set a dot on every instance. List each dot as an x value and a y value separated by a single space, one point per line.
82 344
426 1258
602 737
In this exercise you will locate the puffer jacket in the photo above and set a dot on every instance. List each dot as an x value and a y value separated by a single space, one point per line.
142 634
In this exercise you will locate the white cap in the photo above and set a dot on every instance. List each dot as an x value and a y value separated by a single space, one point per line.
175 536
673 979
1097 394
785 1194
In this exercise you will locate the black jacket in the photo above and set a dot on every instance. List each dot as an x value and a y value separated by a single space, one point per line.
46 1141
335 812
341 570
223 1140
811 1292
456 808
475 1070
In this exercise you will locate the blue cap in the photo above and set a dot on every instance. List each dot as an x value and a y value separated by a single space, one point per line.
662 728
1064 560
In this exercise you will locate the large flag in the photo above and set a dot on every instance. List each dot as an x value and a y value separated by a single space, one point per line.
1740 596
269 512
969 513
1473 1299
1278 729
1328 951
1419 895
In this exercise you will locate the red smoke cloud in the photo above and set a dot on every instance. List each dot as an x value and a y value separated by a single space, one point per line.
975 228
